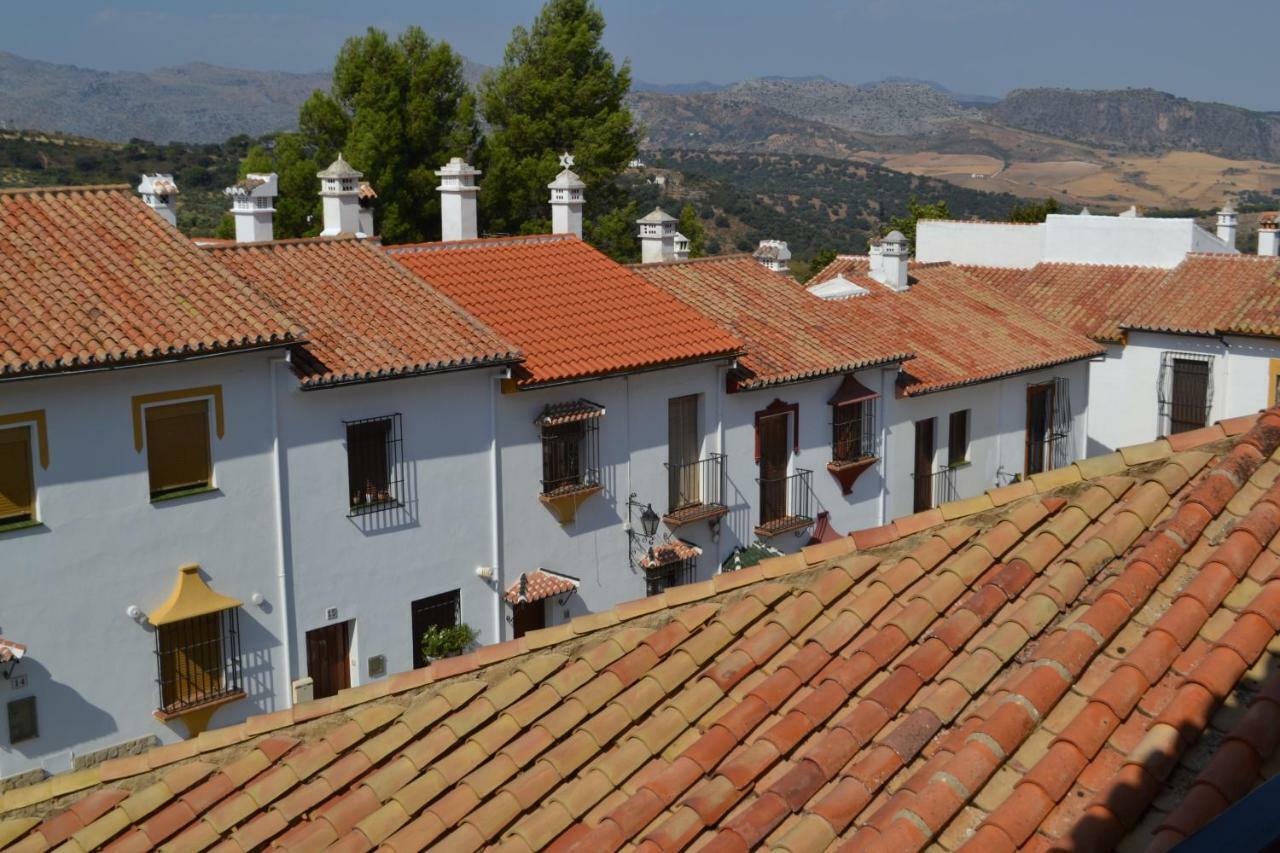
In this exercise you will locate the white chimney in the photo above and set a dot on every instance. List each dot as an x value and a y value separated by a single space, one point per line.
340 192
1227 224
160 193
657 236
1269 234
367 198
681 247
889 261
566 199
458 200
773 255
252 206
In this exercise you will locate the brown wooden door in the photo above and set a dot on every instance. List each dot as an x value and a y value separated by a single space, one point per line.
773 467
923 491
682 452
328 659
1039 424
529 616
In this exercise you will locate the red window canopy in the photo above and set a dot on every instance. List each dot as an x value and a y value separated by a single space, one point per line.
851 391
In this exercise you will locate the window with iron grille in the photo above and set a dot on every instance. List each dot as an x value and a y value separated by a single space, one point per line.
853 431
1185 392
660 578
1048 426
570 455
198 659
375 464
958 438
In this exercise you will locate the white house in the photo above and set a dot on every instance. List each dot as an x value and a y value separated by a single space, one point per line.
138 498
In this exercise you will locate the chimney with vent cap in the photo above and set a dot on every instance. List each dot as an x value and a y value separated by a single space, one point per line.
340 194
252 205
889 261
1227 225
160 193
458 200
774 255
1269 234
657 236
566 199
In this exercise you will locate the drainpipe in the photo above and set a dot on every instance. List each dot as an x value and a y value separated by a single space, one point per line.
884 445
722 382
1226 378
284 551
495 503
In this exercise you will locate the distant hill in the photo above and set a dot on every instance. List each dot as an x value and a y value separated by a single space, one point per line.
1143 120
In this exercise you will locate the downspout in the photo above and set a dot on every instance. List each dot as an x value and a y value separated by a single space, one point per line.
1226 378
884 447
284 553
722 385
495 503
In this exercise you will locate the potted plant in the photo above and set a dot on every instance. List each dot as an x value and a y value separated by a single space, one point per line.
445 642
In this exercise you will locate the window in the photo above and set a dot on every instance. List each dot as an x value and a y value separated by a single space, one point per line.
853 423
662 578
570 447
1186 391
683 474
22 720
958 438
438 611
375 469
17 483
178 457
198 659
1048 426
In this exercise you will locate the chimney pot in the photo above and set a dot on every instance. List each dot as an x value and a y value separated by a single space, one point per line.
340 194
657 236
252 205
160 193
889 261
1269 234
458 200
774 255
566 199
1228 224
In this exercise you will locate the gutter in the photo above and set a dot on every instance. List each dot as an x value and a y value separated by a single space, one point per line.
154 362
666 365
410 374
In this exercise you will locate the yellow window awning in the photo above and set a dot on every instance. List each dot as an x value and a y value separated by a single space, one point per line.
191 597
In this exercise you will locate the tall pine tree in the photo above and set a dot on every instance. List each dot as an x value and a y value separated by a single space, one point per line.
558 90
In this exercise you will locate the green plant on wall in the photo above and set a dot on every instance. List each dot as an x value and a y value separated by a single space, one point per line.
438 642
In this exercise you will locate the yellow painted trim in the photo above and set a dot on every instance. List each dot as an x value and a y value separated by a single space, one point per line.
42 430
1273 374
191 597
141 400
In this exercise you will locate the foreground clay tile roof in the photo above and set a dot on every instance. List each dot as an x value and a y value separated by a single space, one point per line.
961 329
367 317
91 277
1214 294
573 311
1092 299
790 335
1083 660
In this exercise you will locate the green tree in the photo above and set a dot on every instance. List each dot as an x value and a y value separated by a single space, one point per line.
557 90
1035 211
915 212
691 228
820 260
398 110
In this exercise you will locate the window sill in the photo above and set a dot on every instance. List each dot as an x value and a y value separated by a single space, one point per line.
25 524
375 506
954 466
564 502
196 717
847 473
183 493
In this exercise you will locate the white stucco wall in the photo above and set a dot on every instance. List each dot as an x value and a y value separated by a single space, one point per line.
103 546
372 567
995 244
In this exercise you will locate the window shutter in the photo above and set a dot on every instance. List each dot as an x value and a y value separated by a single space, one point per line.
17 489
178 446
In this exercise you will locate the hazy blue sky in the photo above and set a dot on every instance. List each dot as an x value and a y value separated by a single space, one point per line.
1206 50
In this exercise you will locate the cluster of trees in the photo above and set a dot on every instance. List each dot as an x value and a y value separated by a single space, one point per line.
400 108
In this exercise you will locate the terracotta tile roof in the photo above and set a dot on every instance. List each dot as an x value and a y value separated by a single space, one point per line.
1214 294
367 317
667 553
1082 660
538 585
9 650
91 277
573 311
961 329
790 335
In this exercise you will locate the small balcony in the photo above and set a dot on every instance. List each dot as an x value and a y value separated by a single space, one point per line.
931 489
786 504
695 491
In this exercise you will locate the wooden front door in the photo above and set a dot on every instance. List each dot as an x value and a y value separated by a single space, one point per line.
328 659
529 616
682 452
773 467
923 491
1039 424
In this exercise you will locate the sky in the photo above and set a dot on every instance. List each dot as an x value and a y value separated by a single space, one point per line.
1202 50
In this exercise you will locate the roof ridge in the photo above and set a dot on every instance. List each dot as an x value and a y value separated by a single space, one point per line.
480 242
736 256
64 188
1238 256
283 241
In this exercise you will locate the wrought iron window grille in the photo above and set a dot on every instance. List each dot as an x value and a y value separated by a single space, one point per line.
570 456
198 660
661 578
375 465
854 436
1185 391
